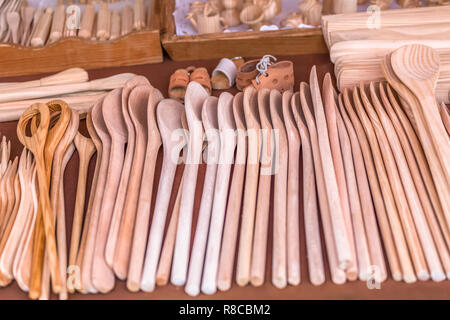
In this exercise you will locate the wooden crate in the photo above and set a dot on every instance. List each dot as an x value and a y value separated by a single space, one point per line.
133 49
219 45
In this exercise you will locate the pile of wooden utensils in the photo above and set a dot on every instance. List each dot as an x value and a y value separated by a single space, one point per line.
28 26
359 42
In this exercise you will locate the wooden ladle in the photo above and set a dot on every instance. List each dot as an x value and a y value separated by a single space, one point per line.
168 114
227 129
146 119
102 275
197 258
195 96
126 169
251 186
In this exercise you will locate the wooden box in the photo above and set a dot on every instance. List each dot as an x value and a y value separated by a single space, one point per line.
136 48
219 45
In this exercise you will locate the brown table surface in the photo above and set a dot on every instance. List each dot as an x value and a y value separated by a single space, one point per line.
159 74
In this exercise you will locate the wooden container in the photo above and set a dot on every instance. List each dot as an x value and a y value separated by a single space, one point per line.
232 44
136 48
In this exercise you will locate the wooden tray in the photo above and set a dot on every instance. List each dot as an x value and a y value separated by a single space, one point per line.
249 44
136 48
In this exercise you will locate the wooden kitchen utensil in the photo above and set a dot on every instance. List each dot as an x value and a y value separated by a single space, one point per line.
168 114
251 186
259 250
310 205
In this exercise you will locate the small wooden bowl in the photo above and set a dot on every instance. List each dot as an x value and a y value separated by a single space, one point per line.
253 16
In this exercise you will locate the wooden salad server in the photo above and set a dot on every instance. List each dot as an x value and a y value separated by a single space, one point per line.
197 256
56 181
126 169
438 229
417 66
86 149
23 258
11 246
168 116
42 144
75 269
102 275
343 244
10 218
310 205
338 275
329 104
397 190
91 239
165 260
409 102
227 135
293 193
279 255
9 200
396 114
230 231
251 186
415 204
146 118
385 208
351 190
195 97
259 250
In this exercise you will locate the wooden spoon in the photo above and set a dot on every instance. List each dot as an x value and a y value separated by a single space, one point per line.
102 275
310 207
259 250
195 96
197 257
293 192
26 23
227 133
168 115
126 169
328 94
337 274
251 186
147 138
88 251
230 232
417 66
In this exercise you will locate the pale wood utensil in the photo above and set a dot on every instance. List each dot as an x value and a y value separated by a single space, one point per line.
195 96
343 245
86 149
259 250
103 22
293 192
126 169
416 208
408 100
310 207
87 22
251 186
227 134
139 15
197 256
89 248
115 25
422 82
360 232
390 226
230 232
127 20
445 117
338 275
57 25
418 152
165 261
329 103
13 20
42 30
102 275
36 17
42 144
168 114
385 154
8 198
142 109
26 23
279 255
392 124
